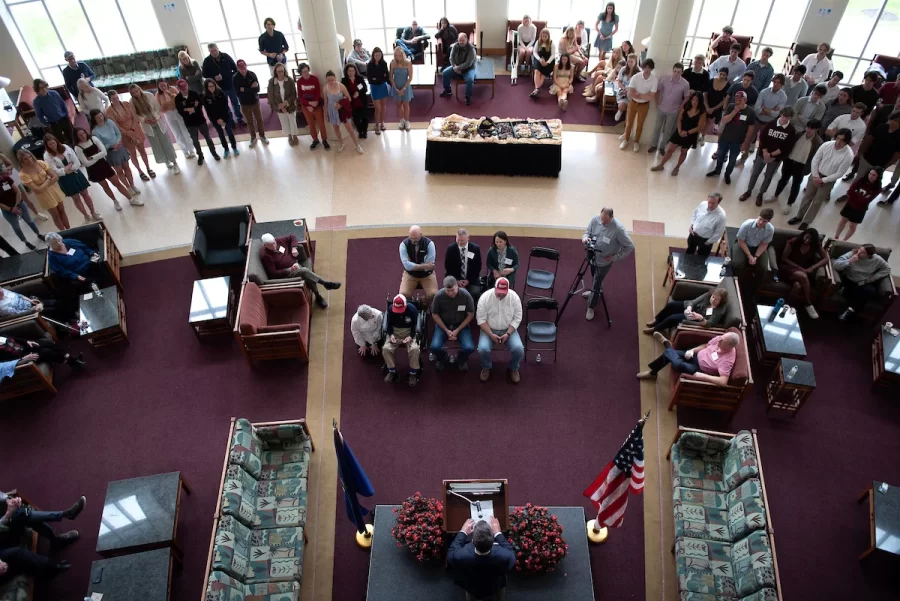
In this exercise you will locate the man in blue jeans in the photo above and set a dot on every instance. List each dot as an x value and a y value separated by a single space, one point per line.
462 65
710 362
412 41
452 309
221 67
499 314
735 131
17 517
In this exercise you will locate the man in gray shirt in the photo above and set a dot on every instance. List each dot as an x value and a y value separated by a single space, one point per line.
611 243
809 108
861 272
462 65
753 239
452 309
768 105
359 57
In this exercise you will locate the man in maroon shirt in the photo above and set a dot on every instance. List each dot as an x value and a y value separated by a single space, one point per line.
279 256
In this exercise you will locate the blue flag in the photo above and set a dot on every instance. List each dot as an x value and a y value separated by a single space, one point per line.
353 480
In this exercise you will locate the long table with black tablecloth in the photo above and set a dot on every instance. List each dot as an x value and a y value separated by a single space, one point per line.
492 156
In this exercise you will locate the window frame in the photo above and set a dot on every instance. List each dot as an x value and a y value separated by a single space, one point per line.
851 78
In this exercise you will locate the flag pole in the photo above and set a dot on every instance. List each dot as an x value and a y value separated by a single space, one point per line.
595 532
366 538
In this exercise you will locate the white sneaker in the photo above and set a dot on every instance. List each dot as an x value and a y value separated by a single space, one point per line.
169 165
589 315
97 216
359 149
117 205
176 170
811 311
340 148
618 115
43 216
135 191
623 145
136 203
586 294
87 219
637 147
786 209
622 137
190 155
701 141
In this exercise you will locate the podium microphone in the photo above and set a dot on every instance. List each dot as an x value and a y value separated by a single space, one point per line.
477 504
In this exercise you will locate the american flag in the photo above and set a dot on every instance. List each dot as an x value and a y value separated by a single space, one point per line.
609 492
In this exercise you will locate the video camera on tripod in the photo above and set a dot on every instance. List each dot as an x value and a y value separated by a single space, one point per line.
590 250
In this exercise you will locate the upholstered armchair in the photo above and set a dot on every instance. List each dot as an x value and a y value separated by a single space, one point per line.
725 47
685 290
97 236
419 58
834 301
512 37
687 392
273 324
30 377
221 239
467 28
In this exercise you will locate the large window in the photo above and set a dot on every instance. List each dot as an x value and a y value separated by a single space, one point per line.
561 13
89 28
235 26
773 23
375 22
868 27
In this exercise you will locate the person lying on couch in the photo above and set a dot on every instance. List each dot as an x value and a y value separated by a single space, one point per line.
279 257
45 351
711 362
707 310
72 259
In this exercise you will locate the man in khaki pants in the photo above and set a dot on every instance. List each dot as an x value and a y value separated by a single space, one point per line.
401 331
417 255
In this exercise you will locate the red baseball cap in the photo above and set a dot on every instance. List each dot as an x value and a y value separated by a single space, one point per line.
399 304
242 63
740 94
501 287
181 84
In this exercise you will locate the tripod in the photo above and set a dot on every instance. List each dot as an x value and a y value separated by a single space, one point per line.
578 286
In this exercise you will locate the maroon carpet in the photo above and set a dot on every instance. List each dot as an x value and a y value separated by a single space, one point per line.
550 436
161 403
817 464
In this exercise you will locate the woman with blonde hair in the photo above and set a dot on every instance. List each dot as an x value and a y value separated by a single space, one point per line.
91 98
72 181
150 116
282 97
189 70
568 44
132 134
599 75
401 79
622 78
109 134
165 98
543 60
43 182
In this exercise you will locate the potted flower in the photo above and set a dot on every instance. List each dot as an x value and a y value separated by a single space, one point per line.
419 527
536 537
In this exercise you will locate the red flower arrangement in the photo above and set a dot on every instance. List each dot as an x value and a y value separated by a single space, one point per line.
419 527
536 537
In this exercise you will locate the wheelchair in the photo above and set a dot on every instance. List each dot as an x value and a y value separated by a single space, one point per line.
419 333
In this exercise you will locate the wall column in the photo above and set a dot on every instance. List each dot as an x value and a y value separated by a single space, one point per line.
320 34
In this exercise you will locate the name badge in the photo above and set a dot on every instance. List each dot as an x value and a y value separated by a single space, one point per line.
7 187
709 311
281 250
470 254
461 308
605 239
507 261
714 355
359 86
70 252
742 118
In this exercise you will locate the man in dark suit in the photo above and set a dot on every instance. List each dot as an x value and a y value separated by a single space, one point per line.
463 261
480 557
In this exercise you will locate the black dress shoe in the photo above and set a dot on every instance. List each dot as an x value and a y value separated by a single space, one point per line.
326 145
331 285
200 160
446 94
73 511
468 103
320 300
846 316
314 145
802 226
714 173
794 221
68 537
727 179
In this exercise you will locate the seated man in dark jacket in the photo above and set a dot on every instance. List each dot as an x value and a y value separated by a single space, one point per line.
480 556
280 257
463 261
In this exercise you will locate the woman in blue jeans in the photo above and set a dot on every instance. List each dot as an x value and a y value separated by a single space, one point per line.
13 208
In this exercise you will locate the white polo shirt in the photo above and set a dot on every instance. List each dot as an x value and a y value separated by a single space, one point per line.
856 126
644 85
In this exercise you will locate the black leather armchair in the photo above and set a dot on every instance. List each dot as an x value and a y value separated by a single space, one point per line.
221 240
97 236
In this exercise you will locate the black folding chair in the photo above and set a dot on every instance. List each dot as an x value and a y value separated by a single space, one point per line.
541 279
541 332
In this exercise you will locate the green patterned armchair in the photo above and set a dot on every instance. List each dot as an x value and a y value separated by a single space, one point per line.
254 556
222 587
724 546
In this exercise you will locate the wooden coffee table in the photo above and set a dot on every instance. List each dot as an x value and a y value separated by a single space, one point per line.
212 307
884 518
104 315
146 576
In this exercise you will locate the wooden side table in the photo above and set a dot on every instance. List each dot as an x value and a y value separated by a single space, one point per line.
103 317
885 360
212 307
790 392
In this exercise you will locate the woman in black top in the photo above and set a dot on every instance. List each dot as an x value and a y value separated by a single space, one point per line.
448 36
377 74
716 95
356 85
502 261
215 102
691 121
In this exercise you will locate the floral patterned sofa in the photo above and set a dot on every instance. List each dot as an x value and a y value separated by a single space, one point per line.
258 536
724 543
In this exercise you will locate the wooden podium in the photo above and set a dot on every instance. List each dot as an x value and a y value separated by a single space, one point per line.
457 511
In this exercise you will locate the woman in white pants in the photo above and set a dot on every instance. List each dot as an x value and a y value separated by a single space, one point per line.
283 98
151 117
165 96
